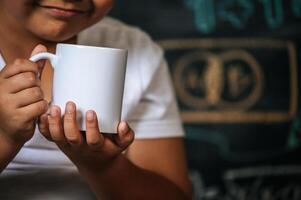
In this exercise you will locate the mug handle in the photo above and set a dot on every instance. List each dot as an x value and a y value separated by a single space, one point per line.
45 55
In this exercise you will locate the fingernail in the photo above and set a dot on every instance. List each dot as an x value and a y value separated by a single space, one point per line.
90 115
70 108
124 128
53 112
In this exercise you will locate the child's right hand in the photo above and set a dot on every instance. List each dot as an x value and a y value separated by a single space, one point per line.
21 100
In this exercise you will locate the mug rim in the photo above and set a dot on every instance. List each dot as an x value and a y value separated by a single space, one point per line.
87 46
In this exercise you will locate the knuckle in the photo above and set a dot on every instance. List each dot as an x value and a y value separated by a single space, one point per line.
73 139
30 77
19 61
94 143
34 68
53 122
42 106
57 139
30 65
68 118
38 93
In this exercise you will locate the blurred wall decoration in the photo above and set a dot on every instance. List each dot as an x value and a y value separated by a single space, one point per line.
236 70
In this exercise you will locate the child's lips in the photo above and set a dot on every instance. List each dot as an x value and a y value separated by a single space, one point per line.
62 12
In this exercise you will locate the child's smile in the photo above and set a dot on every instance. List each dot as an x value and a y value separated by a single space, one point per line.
53 20
62 10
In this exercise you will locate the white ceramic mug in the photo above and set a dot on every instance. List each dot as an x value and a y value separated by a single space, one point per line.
91 77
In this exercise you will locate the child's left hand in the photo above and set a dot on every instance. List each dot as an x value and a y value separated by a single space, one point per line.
89 151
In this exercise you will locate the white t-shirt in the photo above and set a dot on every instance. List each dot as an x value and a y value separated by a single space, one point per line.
41 171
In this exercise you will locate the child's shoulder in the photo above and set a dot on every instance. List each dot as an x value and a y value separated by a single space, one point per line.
111 31
114 33
114 24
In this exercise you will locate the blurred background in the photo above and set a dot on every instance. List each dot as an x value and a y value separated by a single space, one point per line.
235 67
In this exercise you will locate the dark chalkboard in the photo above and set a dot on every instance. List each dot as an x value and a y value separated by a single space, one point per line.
235 66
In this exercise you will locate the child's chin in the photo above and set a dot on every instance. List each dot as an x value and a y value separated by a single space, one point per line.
54 30
55 37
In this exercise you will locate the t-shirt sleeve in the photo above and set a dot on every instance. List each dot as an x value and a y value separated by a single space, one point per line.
156 114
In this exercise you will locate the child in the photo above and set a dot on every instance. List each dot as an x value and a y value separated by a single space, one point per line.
77 165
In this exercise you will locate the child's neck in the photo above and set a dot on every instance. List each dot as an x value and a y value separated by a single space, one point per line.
18 47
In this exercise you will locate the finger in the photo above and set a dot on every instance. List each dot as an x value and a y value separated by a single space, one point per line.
72 134
19 66
93 136
22 81
29 96
39 49
55 126
125 135
116 143
44 126
34 110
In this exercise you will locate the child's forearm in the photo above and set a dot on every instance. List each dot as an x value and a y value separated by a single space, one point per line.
8 151
124 180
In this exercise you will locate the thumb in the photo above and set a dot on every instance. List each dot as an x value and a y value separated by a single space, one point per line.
39 49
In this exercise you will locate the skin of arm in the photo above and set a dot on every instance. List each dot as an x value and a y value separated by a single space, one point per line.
145 172
8 151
